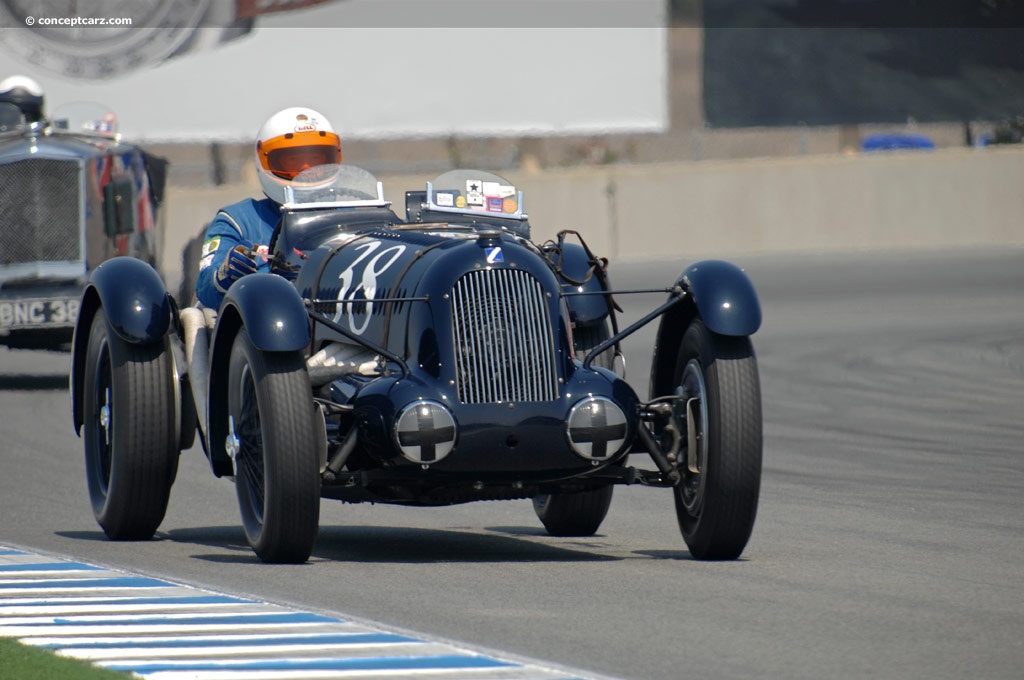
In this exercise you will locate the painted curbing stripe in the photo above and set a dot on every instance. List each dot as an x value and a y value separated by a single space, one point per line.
324 664
36 631
127 621
513 673
227 654
289 633
161 631
47 585
146 605
167 593
33 568
224 641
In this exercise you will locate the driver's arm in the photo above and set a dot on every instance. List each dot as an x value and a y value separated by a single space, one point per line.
246 223
221 238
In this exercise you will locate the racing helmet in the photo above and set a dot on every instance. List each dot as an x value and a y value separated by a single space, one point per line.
291 141
26 94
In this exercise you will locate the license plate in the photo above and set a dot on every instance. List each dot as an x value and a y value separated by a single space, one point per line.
36 313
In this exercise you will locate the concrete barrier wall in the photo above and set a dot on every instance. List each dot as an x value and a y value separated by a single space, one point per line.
877 201
935 199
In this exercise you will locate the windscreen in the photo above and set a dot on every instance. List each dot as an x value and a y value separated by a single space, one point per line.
473 192
337 185
85 117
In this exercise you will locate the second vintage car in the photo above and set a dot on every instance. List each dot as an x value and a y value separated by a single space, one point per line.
438 359
72 195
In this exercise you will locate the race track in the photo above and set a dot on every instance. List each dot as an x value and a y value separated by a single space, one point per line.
889 541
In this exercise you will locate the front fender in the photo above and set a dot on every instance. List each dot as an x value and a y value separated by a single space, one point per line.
271 310
718 292
724 296
134 298
137 305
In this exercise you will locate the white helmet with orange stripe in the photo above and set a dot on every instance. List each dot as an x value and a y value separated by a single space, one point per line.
291 141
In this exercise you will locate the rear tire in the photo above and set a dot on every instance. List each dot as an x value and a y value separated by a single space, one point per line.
717 505
585 338
130 437
580 513
277 467
574 514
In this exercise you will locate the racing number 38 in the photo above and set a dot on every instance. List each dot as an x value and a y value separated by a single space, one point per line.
366 288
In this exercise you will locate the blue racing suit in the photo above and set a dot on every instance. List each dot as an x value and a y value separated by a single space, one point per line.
250 222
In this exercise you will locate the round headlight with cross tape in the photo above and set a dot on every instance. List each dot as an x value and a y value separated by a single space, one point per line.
596 428
425 432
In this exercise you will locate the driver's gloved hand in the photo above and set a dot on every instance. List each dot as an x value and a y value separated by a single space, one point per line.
283 268
240 261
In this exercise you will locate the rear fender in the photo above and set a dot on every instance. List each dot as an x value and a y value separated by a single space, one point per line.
273 314
137 305
722 295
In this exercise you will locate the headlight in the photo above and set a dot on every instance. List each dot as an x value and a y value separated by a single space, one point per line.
425 432
596 428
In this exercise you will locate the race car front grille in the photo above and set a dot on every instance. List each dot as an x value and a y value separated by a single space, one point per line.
504 349
40 221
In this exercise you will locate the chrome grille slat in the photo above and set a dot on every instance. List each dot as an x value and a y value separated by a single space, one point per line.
504 349
532 331
41 223
511 385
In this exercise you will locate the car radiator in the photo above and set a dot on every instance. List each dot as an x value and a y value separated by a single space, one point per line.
503 342
42 201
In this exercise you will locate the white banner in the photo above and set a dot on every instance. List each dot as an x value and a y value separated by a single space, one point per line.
174 73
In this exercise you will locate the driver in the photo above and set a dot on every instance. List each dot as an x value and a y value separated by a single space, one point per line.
237 240
26 94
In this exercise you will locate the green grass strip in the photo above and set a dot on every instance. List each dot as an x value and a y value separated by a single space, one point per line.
30 663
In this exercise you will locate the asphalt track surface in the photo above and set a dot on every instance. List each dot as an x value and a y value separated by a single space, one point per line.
889 541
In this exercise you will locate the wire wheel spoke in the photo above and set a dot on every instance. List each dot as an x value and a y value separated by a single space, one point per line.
272 438
131 443
692 417
718 413
250 454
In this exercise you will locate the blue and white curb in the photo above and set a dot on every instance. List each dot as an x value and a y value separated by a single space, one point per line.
164 631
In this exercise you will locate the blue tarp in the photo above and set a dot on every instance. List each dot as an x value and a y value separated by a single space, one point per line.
885 141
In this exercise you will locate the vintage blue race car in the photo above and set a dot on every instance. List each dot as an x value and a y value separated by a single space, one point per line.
438 359
73 195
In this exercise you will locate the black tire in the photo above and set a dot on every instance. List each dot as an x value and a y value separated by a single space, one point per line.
585 338
574 514
717 505
580 513
277 467
130 437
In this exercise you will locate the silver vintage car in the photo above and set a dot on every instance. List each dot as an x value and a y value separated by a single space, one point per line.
72 195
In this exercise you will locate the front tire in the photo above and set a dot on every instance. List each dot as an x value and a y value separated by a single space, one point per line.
274 445
716 499
130 437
